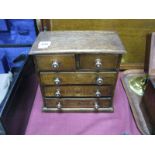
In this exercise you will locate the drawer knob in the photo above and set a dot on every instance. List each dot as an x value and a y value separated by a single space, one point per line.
99 81
59 106
57 81
55 64
98 63
96 106
57 93
98 93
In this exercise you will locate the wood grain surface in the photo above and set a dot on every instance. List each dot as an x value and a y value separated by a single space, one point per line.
47 78
109 61
132 32
66 62
78 42
77 91
78 102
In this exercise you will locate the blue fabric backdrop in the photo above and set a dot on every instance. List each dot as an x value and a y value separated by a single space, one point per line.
15 34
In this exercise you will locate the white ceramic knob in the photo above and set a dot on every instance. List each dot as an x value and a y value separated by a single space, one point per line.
55 65
57 81
99 81
96 106
57 93
98 63
59 106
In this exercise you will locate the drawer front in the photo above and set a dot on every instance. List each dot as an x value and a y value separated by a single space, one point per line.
78 103
77 91
56 62
99 61
64 78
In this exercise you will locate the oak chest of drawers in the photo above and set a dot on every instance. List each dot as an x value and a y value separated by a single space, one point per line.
77 70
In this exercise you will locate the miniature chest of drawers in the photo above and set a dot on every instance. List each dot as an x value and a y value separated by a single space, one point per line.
77 70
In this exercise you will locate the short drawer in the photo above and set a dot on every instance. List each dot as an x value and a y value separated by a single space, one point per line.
78 103
98 61
55 62
63 78
77 91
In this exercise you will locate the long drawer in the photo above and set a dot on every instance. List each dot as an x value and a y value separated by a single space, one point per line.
78 104
77 91
63 78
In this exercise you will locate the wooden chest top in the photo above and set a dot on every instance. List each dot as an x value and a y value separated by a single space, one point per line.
77 42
